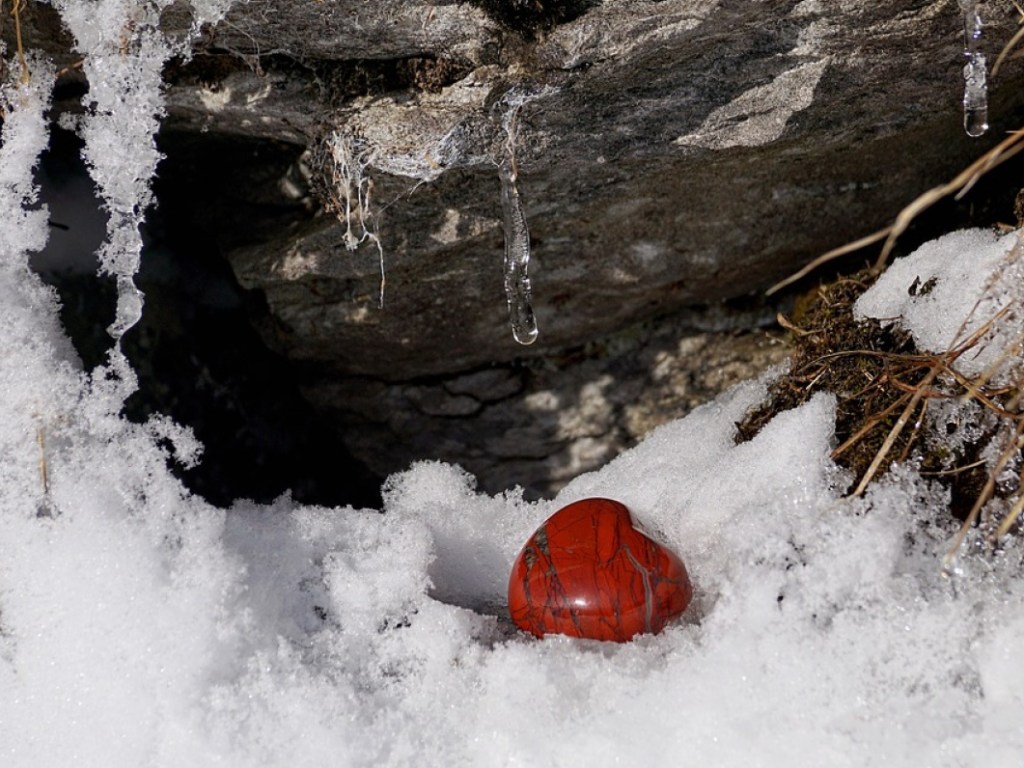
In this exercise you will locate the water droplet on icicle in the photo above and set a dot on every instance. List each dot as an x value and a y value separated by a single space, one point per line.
517 257
975 72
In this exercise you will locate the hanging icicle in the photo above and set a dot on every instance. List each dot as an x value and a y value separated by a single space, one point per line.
517 256
975 72
517 236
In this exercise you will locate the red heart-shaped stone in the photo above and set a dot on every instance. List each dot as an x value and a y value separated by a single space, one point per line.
588 572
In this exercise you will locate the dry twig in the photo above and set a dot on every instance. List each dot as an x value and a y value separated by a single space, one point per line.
958 186
1013 446
16 9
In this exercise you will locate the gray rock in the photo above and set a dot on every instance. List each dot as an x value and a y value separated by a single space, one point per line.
671 153
539 423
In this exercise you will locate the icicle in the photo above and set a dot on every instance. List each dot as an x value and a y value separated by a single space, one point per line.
517 256
517 235
975 73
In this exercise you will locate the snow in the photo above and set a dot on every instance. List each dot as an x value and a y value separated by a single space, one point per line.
140 626
124 53
964 280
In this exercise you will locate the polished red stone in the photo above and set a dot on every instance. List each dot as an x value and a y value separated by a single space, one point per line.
588 572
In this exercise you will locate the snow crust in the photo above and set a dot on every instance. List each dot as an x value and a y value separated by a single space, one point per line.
140 626
950 289
124 53
143 627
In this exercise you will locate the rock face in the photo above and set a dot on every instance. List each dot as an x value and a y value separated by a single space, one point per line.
538 423
670 153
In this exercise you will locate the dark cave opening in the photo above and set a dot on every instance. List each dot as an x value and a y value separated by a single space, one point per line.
196 352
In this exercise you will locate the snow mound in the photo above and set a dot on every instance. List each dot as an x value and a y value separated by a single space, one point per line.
950 288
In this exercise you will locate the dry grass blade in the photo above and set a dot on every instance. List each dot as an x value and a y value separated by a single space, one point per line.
955 470
959 186
825 258
22 61
973 392
978 333
896 430
1009 520
44 473
914 433
1007 454
1008 48
1012 350
788 324
1017 37
869 425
